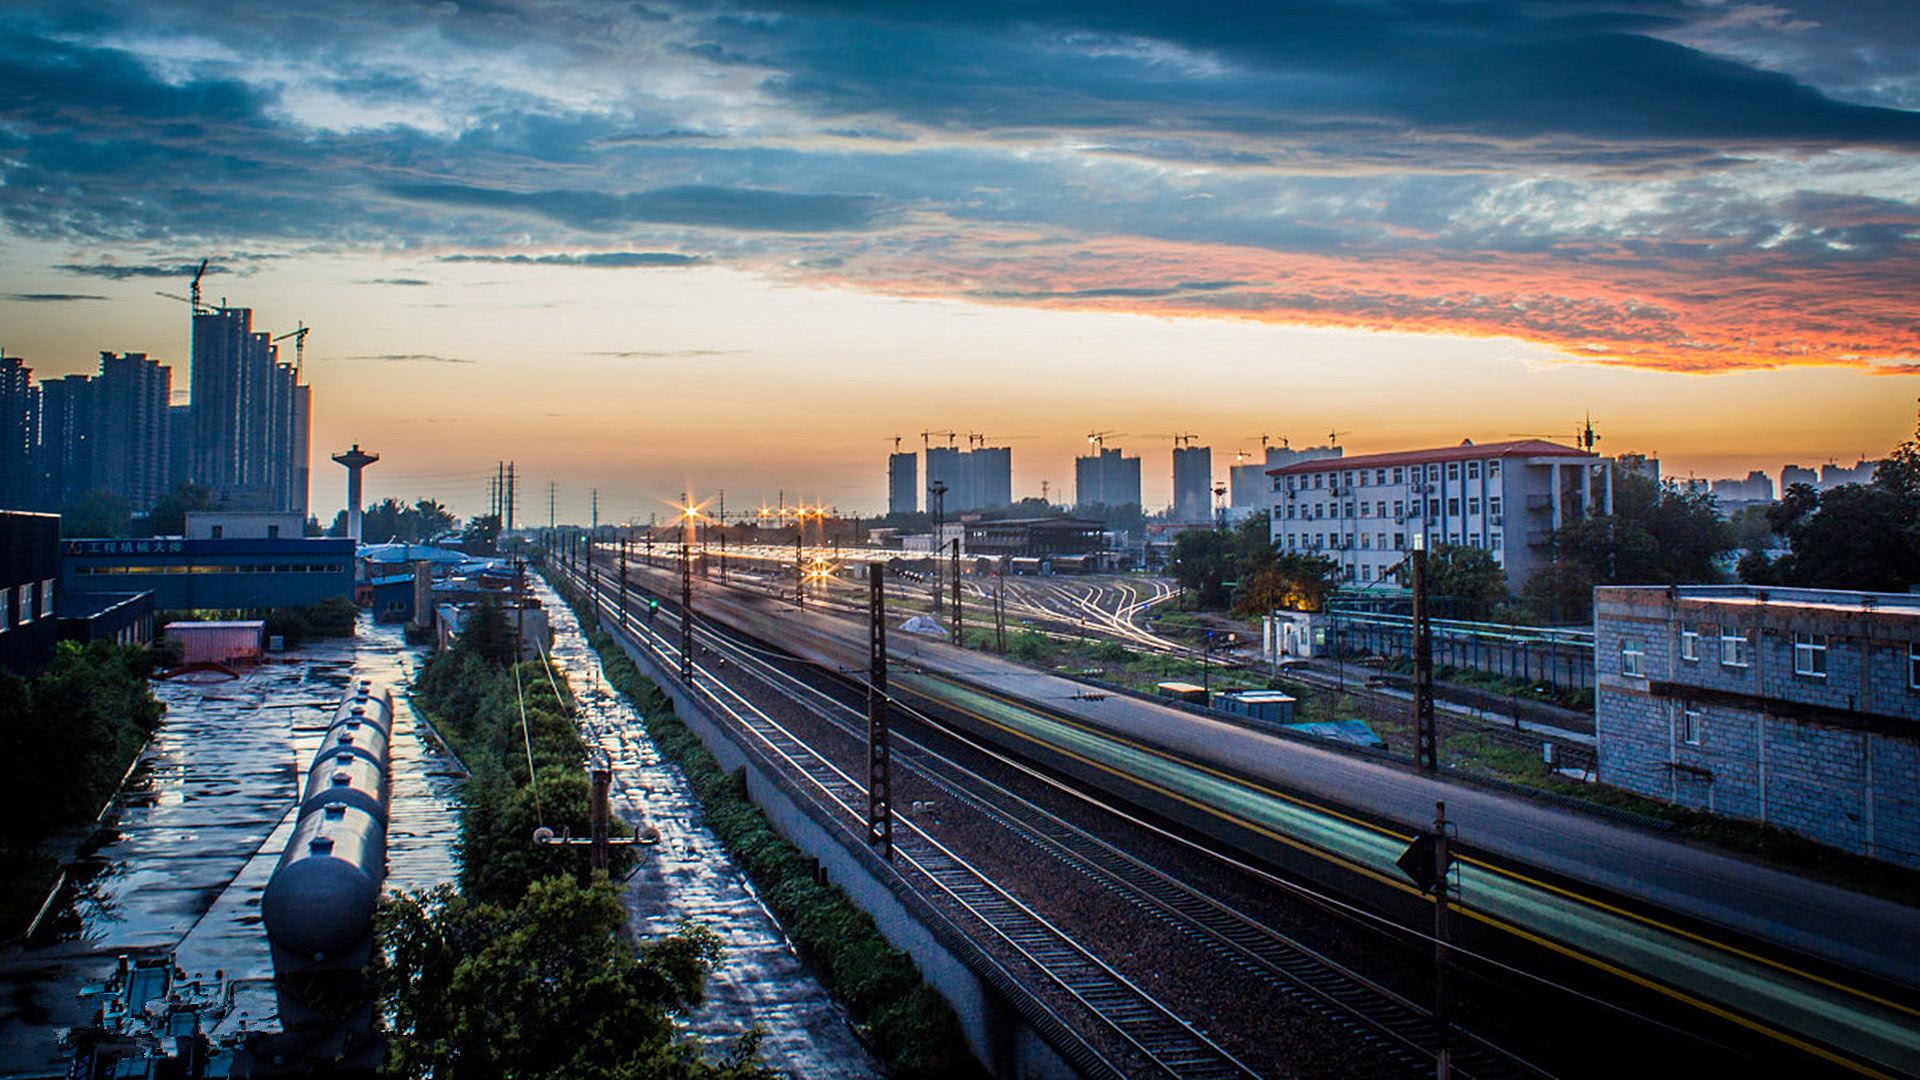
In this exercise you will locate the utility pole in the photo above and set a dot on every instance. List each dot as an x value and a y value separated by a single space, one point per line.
596 511
513 495
879 744
649 543
723 553
1000 611
602 777
937 491
1442 1020
622 616
553 497
1426 744
686 609
959 637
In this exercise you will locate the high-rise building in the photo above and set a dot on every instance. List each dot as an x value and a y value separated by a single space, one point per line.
19 435
946 466
1797 474
130 402
69 428
903 483
249 416
1192 483
179 444
992 478
1106 478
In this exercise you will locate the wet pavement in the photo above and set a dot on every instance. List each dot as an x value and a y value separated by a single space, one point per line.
689 878
198 827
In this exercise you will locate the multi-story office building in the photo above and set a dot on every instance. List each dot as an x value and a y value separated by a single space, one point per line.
250 416
1799 708
1834 474
1250 488
19 435
903 483
1107 478
131 447
1192 483
1506 498
1732 492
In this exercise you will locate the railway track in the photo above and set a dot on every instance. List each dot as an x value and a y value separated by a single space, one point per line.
1400 1029
1163 1041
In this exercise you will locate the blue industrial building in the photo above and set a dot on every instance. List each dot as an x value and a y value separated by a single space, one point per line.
213 575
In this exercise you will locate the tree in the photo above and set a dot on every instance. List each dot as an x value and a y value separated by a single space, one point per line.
1656 535
1291 581
482 533
488 635
548 986
1468 577
98 513
1855 536
169 514
1201 562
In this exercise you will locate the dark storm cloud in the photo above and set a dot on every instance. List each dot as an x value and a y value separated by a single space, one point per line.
1504 69
51 297
692 204
607 260
407 281
124 271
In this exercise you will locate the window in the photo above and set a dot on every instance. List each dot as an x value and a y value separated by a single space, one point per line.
1319 479
1453 470
1473 506
1366 540
1366 509
1349 509
1399 508
1379 477
1493 469
1366 573
1383 508
23 607
218 530
1319 510
1433 507
1689 643
1399 475
1453 507
1692 719
1289 511
1494 541
1734 648
1399 541
1473 470
1913 666
273 532
1633 655
1810 655
46 598
1493 507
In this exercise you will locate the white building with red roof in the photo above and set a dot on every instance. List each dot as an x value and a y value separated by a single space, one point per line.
1506 498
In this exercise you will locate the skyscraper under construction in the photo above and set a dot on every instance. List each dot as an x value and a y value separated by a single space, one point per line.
250 416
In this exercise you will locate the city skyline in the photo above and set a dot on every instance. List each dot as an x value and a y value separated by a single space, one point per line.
744 248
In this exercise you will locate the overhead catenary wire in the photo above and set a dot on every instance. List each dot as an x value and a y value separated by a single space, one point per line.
526 737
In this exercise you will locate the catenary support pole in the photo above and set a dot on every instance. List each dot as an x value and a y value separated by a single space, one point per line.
879 745
1426 744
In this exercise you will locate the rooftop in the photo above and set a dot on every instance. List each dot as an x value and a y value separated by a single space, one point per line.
1754 596
1463 452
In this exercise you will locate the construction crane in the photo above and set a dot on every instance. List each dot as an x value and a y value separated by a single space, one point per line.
1099 438
951 435
299 335
1183 440
1333 437
896 444
194 289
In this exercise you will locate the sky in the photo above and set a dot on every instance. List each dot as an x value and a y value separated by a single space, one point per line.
654 247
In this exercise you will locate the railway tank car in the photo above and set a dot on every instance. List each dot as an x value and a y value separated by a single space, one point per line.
318 905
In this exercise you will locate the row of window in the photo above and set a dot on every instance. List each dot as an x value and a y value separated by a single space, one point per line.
1376 541
242 568
17 607
1379 509
1736 651
1378 477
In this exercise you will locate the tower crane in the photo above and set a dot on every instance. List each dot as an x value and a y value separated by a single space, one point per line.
1099 438
925 435
193 289
1333 437
299 335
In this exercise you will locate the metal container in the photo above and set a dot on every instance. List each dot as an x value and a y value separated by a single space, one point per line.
218 642
318 906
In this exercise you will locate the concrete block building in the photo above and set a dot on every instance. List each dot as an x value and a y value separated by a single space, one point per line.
1799 708
1506 498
